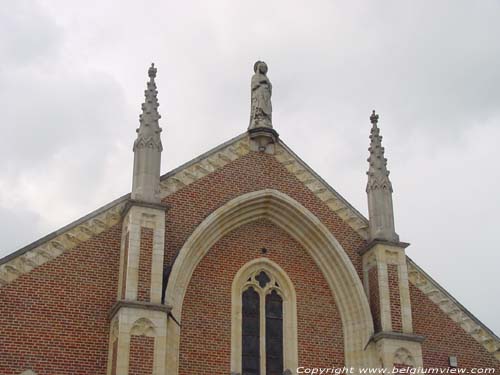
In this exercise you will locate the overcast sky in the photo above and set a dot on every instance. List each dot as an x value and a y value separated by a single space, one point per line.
72 78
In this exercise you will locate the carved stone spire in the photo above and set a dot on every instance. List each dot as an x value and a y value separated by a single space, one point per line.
379 189
148 147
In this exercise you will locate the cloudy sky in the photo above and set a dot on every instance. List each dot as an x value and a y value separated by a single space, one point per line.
72 76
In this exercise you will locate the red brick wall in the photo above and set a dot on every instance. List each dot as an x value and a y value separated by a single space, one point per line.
444 337
141 355
394 297
255 171
145 259
125 267
374 297
54 319
206 316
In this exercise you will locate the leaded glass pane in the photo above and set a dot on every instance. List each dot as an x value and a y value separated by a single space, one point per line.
263 279
274 334
250 332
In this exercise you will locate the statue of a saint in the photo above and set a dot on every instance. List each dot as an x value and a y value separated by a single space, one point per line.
261 112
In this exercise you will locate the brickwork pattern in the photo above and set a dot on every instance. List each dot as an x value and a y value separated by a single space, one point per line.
206 323
125 264
395 298
190 205
141 355
145 259
54 319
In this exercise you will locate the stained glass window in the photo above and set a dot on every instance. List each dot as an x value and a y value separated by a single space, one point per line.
262 327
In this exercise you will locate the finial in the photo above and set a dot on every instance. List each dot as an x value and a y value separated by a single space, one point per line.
148 146
379 189
152 71
374 118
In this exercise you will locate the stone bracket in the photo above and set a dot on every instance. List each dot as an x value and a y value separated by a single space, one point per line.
263 140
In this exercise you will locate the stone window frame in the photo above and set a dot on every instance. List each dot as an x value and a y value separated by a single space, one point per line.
287 292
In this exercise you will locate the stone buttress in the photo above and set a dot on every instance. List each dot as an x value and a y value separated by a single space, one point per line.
385 268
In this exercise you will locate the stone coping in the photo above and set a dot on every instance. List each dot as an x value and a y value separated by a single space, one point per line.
397 336
156 206
372 243
138 305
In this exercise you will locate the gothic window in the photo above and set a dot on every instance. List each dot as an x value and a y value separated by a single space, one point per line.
262 326
263 320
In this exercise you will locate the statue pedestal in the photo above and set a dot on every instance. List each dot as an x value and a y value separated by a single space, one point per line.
263 139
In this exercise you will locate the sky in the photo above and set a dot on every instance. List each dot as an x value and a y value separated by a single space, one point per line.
73 74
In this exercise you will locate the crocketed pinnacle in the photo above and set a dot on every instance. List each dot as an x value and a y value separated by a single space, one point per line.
378 175
148 133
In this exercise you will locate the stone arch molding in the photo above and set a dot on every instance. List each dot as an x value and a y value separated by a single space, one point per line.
305 228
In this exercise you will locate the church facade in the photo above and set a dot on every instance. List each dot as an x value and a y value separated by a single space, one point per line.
241 261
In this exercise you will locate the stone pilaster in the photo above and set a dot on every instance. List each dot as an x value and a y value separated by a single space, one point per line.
138 319
385 277
138 331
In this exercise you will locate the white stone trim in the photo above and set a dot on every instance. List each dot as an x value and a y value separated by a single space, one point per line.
287 292
142 217
204 166
133 321
305 228
453 309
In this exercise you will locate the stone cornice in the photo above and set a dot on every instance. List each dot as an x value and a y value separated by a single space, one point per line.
453 309
132 202
138 305
397 336
373 243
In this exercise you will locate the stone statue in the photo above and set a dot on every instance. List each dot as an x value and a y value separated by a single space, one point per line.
261 112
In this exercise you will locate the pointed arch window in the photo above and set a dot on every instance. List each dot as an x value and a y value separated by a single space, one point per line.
264 337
